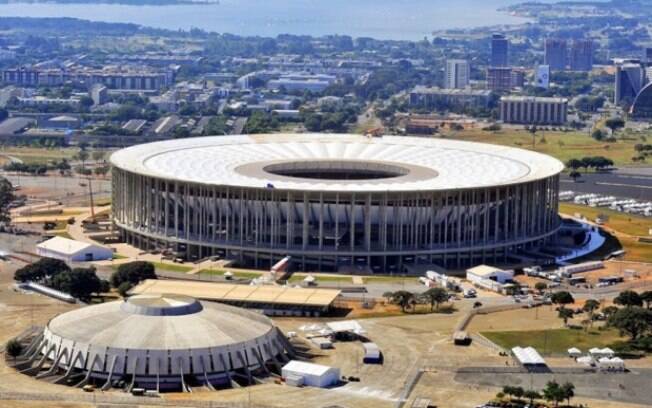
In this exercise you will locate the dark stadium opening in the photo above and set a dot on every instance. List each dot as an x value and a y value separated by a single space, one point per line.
337 170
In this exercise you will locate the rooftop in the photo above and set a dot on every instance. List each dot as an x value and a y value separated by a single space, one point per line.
299 162
268 294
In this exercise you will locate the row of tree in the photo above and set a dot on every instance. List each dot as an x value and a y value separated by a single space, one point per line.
407 300
586 163
553 392
83 283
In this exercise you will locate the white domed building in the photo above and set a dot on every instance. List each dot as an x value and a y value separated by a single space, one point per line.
159 342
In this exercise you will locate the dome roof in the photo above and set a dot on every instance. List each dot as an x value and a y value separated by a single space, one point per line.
160 322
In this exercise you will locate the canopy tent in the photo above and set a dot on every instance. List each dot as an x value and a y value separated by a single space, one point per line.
586 360
574 352
528 356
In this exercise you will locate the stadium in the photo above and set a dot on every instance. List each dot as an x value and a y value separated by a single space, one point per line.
161 342
334 201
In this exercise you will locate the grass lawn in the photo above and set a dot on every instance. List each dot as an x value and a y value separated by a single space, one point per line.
621 222
40 154
171 267
555 341
562 145
236 274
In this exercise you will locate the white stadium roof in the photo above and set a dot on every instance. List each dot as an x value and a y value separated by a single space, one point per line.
423 163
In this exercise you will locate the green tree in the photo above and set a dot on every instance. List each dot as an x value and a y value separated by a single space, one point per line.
44 268
569 391
562 298
531 395
554 393
133 272
609 311
124 288
540 286
6 197
614 124
575 175
628 298
435 296
82 156
14 348
590 306
646 297
633 321
574 164
565 314
404 299
79 282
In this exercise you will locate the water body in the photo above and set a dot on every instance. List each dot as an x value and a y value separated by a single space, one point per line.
383 19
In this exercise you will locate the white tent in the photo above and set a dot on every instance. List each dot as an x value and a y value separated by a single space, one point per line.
351 326
615 363
599 353
574 352
69 250
528 356
586 360
314 375
607 352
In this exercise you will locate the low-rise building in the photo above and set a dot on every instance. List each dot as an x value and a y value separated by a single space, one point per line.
69 250
530 110
451 99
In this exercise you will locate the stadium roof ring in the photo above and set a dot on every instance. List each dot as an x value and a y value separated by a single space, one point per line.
327 199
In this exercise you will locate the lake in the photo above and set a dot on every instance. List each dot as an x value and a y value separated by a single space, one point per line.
383 19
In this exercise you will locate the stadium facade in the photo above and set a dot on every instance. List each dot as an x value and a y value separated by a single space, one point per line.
336 200
162 342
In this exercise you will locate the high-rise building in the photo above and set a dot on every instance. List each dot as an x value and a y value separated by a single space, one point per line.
499 78
647 56
556 54
630 79
581 55
518 78
499 51
458 74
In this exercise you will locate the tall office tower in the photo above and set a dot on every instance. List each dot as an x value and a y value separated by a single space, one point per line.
630 79
458 74
499 78
647 57
581 55
499 51
556 54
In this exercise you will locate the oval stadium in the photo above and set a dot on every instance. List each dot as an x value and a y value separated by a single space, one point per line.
334 201
159 342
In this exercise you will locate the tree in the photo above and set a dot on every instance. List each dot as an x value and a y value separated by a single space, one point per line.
435 296
574 164
646 297
540 286
562 298
14 348
574 175
609 311
531 395
82 156
565 314
590 306
633 321
568 390
6 197
628 298
133 272
554 392
44 268
403 298
518 392
80 282
615 124
124 288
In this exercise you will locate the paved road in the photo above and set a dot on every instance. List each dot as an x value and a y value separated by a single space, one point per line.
628 182
633 387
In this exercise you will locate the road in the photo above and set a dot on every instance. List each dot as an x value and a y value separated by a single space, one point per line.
628 182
